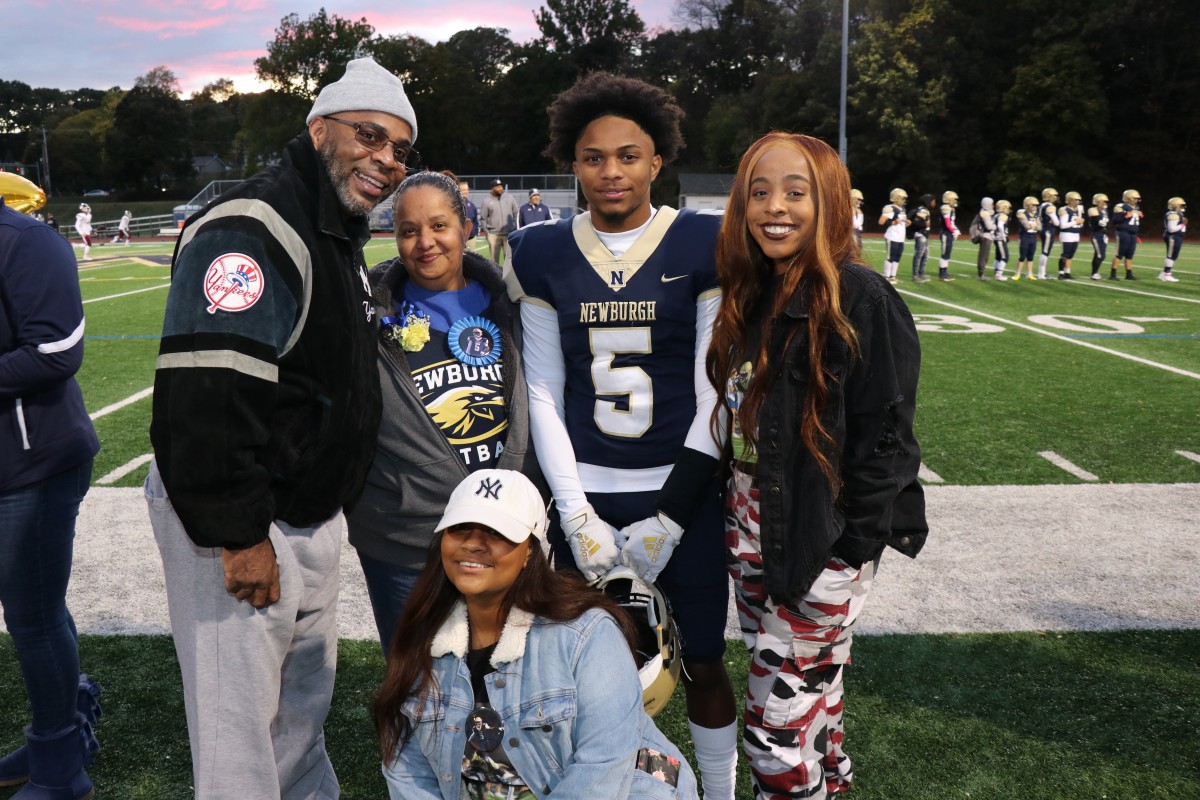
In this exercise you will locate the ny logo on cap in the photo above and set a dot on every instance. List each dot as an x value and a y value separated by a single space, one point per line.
489 488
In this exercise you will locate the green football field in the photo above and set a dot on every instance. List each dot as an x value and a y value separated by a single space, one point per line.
1022 383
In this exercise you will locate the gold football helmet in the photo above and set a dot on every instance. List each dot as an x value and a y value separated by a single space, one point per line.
660 651
950 199
1003 206
1176 204
898 196
1030 203
856 198
1131 196
1049 195
21 194
1074 199
1099 200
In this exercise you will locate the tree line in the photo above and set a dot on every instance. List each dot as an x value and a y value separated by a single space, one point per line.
983 98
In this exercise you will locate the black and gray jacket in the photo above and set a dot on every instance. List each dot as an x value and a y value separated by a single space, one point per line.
415 469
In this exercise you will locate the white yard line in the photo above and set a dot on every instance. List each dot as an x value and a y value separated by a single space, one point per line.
122 471
928 475
1067 466
117 406
1079 342
1188 454
126 294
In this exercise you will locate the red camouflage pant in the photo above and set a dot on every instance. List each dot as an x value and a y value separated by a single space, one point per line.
793 717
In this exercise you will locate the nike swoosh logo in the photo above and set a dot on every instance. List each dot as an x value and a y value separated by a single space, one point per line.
665 279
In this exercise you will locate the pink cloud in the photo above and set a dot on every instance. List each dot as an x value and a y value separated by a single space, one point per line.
166 29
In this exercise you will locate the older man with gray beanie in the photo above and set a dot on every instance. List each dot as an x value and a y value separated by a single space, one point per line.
266 406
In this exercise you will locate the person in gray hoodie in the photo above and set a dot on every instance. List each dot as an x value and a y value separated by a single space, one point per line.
454 396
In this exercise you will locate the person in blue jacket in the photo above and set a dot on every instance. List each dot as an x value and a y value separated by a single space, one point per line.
507 679
47 444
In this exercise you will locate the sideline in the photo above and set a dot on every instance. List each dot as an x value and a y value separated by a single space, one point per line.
125 294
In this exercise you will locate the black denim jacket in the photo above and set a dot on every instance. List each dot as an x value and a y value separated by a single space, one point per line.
869 413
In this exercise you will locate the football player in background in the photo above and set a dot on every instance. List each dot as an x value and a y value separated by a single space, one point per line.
856 202
1127 218
1027 238
895 217
1047 227
987 232
1174 227
1070 223
1097 221
1003 214
617 306
83 226
948 231
123 229
921 219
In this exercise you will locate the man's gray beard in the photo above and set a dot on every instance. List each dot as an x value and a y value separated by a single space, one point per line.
340 176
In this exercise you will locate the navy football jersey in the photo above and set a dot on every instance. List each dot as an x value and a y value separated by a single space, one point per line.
627 327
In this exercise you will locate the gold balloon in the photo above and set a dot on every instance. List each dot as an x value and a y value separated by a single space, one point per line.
20 194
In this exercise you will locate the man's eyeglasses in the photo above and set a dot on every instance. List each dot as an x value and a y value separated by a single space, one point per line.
373 140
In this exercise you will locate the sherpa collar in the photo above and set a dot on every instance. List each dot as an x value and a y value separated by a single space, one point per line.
454 637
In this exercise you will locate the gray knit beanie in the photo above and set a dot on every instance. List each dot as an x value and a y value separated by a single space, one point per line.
366 86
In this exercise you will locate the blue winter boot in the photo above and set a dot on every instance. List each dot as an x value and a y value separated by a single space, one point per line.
56 764
14 767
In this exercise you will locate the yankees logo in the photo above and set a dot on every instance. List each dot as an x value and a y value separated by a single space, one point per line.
489 488
233 283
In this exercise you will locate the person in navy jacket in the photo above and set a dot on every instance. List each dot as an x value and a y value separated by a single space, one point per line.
47 444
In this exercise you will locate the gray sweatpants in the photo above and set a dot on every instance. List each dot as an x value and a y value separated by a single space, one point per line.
257 683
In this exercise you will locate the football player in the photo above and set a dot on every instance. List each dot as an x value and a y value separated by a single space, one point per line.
1127 218
948 230
1003 214
921 218
1174 227
1070 222
1027 237
856 202
987 235
618 305
1097 220
1047 226
83 226
895 217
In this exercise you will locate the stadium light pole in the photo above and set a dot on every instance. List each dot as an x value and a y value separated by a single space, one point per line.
842 104
46 162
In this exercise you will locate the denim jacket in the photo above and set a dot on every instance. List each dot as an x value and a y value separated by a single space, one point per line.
869 414
571 702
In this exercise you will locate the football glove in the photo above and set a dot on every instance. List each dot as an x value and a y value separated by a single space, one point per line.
649 545
594 543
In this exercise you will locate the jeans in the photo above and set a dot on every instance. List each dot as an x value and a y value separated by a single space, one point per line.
37 534
920 253
388 586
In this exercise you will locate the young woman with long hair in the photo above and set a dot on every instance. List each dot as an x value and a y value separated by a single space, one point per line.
816 360
507 679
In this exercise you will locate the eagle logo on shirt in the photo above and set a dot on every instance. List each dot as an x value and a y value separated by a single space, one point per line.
466 414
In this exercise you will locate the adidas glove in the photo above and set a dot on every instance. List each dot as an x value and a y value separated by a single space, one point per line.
594 543
649 545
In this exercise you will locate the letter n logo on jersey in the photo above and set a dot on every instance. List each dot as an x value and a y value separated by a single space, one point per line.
616 277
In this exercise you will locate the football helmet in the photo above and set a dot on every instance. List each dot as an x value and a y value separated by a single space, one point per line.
857 197
950 199
659 654
898 196
1176 204
1049 195
1074 199
1003 206
1099 200
1030 203
1131 196
84 207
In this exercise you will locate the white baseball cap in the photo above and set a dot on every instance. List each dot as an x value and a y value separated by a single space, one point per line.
503 500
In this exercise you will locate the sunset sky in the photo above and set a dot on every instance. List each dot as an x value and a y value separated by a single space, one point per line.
105 43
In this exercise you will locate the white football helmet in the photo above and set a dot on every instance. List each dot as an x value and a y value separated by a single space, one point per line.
659 651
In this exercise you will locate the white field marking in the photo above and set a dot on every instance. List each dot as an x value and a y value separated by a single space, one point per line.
126 294
1156 319
1188 454
1067 466
1079 342
122 471
117 406
928 475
